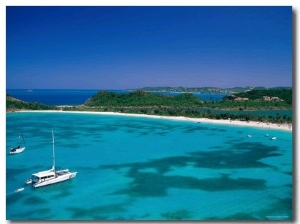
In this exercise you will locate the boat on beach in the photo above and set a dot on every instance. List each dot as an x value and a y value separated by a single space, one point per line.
51 176
21 144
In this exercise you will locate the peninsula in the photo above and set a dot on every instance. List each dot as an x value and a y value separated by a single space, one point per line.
231 107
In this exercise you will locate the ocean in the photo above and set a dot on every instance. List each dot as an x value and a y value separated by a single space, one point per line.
148 169
53 96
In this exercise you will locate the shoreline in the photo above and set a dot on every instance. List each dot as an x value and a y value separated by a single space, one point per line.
261 125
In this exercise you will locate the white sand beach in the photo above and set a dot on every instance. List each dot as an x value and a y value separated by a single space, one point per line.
284 127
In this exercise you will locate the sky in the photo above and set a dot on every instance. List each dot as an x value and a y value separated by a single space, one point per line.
124 47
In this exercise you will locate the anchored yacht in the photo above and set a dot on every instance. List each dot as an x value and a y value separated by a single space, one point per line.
51 176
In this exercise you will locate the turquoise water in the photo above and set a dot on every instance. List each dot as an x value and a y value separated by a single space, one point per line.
132 168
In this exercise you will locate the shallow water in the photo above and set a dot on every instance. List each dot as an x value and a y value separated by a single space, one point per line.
132 168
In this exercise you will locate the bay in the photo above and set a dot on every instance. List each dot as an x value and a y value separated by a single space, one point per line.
133 168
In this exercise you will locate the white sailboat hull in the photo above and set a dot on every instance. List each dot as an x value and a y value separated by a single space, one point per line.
60 176
16 150
21 145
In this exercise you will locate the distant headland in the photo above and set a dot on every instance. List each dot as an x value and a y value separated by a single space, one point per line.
212 90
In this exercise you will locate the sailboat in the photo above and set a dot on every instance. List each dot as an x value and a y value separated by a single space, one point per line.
51 176
21 144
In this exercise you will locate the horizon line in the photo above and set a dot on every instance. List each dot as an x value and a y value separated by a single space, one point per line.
149 87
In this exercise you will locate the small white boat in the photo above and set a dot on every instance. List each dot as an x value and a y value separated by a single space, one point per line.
29 181
19 148
273 138
20 189
51 176
16 150
249 136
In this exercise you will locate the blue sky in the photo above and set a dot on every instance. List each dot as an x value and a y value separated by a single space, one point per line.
103 47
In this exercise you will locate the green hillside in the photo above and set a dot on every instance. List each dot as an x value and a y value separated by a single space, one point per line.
259 94
141 98
13 104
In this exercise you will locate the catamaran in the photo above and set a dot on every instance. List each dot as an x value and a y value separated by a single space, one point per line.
51 176
21 145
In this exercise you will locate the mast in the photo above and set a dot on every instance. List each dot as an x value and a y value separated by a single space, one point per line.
53 166
19 142
22 137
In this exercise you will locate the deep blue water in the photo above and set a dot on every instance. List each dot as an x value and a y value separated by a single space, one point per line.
77 97
53 97
133 168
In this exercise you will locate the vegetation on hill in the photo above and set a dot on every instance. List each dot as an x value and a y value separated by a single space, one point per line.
259 94
257 99
13 104
141 98
188 105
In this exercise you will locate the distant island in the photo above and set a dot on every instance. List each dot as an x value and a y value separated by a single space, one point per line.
185 104
212 90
